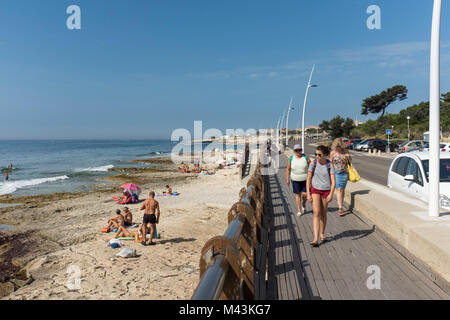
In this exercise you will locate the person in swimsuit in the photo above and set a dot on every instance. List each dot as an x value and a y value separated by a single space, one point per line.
124 232
116 221
127 217
150 207
168 191
320 187
340 159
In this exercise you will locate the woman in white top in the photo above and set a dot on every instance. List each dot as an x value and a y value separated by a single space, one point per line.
297 172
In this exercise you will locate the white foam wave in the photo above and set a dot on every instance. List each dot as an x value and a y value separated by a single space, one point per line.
11 186
96 169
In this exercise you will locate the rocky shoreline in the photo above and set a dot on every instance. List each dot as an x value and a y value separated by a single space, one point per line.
52 232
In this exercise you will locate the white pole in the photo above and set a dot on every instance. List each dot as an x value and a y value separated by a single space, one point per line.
281 127
278 131
433 196
287 122
408 128
304 107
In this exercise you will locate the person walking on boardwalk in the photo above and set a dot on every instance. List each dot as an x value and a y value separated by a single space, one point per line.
340 159
297 172
320 187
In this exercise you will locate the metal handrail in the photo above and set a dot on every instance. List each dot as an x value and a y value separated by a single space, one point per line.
212 282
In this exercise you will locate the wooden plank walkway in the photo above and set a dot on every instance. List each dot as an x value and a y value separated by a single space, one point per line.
337 269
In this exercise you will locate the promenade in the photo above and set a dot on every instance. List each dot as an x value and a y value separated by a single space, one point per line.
338 269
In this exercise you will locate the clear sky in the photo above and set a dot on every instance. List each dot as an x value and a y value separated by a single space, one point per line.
140 69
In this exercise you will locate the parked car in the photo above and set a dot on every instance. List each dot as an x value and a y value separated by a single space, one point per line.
380 145
411 145
444 146
359 146
409 174
351 143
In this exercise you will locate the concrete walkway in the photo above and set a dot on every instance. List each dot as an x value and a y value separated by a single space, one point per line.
339 269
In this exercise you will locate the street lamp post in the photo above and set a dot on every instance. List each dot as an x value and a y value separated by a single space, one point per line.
277 135
434 195
281 128
304 105
287 120
408 118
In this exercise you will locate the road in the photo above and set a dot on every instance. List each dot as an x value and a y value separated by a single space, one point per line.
372 168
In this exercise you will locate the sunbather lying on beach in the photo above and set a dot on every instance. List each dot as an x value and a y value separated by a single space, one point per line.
124 232
116 221
168 191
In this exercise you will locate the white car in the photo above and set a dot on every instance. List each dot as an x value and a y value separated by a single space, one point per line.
445 146
409 174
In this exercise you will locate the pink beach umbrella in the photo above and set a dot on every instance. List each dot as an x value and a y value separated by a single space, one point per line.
132 188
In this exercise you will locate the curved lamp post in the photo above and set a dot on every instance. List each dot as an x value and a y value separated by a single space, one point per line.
304 105
287 121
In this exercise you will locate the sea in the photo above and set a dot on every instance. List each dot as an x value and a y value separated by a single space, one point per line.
49 166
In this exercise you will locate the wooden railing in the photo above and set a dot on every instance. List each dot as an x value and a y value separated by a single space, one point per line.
232 266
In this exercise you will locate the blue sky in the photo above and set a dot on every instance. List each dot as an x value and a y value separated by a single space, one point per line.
140 69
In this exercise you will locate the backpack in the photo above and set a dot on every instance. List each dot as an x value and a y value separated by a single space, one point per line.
315 165
292 157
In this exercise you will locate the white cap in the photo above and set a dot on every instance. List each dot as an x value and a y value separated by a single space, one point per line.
298 147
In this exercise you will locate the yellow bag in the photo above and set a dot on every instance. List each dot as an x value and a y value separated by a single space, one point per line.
353 175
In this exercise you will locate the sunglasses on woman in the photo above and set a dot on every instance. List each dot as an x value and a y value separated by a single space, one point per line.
319 155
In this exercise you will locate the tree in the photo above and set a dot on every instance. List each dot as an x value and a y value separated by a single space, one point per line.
325 126
378 103
347 127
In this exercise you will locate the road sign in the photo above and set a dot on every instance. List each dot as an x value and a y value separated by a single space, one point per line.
389 132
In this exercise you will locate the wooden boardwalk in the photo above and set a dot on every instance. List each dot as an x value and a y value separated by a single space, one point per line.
337 269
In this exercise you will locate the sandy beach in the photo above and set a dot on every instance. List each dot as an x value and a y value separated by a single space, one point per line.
53 236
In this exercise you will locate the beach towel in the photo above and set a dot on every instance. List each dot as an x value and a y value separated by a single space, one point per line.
129 200
174 194
134 225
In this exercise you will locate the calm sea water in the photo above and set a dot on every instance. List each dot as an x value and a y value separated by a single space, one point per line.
48 166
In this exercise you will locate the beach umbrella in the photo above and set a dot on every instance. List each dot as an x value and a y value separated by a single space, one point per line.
132 188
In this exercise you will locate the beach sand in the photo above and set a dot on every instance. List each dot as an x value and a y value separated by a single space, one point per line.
64 235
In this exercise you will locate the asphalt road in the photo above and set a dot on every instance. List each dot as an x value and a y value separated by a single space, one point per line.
372 168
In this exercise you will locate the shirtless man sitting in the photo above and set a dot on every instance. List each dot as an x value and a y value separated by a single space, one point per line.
116 221
150 206
127 217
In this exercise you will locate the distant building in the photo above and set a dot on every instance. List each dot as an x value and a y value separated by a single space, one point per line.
357 123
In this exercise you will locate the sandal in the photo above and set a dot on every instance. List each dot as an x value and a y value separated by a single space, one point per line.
341 212
325 239
314 244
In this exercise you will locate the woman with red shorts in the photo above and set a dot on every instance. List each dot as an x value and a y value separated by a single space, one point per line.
320 187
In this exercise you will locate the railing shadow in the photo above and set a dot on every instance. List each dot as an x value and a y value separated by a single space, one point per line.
293 242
